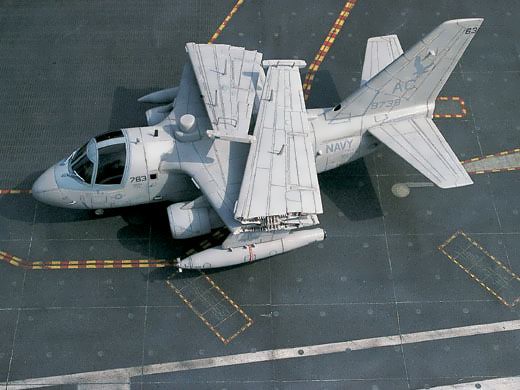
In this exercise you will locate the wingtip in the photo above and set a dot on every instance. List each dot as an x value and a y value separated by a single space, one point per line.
466 181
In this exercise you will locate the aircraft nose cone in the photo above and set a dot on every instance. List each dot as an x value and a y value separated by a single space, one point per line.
45 189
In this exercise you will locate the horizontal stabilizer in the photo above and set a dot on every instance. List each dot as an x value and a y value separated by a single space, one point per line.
420 143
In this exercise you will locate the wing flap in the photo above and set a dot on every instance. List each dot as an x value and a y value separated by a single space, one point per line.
421 144
280 178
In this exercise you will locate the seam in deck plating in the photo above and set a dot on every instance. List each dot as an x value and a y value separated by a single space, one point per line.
325 47
471 274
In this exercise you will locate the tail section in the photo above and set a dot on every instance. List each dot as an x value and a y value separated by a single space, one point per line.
380 52
396 104
413 81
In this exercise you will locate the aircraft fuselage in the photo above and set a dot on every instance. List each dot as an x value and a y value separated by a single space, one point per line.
140 179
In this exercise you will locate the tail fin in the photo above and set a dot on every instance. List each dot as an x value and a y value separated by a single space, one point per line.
414 80
380 52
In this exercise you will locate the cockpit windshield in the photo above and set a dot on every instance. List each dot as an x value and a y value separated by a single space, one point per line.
111 164
81 165
102 159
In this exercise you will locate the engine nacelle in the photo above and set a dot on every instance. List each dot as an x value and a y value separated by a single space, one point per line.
190 219
160 97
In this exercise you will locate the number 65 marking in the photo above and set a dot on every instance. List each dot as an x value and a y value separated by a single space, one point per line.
471 30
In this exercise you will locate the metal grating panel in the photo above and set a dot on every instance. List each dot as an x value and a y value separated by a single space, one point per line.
483 267
212 305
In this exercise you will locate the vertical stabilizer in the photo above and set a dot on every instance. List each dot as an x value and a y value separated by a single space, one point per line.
380 52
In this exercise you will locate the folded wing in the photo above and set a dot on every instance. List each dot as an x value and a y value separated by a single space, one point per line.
280 184
219 87
228 78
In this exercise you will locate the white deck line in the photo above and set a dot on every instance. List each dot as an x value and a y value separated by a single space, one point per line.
123 375
508 383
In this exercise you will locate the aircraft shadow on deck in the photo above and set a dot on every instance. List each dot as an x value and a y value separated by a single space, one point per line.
126 110
349 187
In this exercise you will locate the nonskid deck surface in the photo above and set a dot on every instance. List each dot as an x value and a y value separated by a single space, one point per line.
72 71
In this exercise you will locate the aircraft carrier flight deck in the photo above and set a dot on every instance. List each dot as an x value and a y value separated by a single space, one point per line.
414 287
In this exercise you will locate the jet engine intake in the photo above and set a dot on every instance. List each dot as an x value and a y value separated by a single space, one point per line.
189 219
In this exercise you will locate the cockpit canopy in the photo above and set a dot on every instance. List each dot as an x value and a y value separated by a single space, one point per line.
81 165
102 159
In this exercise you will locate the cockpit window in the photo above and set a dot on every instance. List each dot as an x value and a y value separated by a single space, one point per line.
81 165
109 135
111 164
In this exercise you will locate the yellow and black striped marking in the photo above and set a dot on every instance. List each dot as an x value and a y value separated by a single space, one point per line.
82 264
214 239
512 165
325 47
483 268
462 113
225 22
14 192
211 304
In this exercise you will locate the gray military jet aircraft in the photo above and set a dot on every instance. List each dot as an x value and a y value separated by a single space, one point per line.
237 147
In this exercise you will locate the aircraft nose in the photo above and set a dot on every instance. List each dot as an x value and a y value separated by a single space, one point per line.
45 189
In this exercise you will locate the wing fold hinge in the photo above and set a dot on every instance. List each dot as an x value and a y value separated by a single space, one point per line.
227 136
